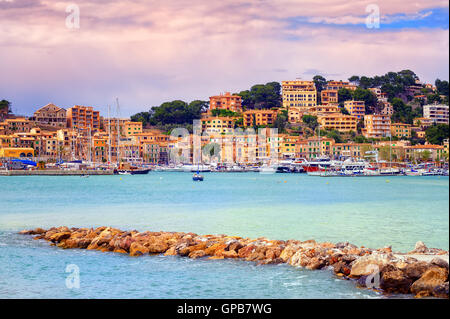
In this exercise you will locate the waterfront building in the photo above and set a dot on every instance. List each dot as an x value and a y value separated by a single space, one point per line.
83 119
301 94
226 101
376 126
437 113
339 122
356 108
401 130
350 150
259 117
51 115
427 152
14 152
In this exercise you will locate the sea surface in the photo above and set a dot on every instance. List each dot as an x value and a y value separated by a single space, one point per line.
367 211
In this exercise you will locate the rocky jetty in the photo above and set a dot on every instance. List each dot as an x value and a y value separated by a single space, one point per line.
422 272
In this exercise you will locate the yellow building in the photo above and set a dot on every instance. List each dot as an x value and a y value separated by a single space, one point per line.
401 130
259 117
338 122
218 125
302 94
16 152
377 126
132 128
352 150
324 110
295 115
356 108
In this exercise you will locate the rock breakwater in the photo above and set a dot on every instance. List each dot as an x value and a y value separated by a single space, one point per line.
422 272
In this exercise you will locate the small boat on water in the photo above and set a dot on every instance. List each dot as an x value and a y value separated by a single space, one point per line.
197 177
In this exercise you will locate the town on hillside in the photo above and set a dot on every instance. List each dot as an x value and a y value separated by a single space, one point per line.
395 116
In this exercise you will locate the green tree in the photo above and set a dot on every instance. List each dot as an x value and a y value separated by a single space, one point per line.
310 121
365 95
437 133
344 95
442 87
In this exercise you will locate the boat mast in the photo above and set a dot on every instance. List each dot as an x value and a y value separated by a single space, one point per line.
118 129
109 136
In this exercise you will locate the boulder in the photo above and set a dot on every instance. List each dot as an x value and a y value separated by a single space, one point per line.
439 262
420 248
441 291
57 237
288 252
416 269
137 249
171 251
430 280
394 281
197 254
245 251
369 264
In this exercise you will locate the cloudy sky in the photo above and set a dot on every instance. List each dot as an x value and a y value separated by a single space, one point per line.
146 52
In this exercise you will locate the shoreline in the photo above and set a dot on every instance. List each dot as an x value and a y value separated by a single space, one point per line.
423 272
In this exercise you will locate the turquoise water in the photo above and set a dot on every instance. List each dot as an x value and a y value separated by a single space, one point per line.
373 212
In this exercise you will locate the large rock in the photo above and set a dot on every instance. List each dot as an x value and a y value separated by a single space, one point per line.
369 264
420 248
137 249
430 280
57 237
395 281
288 252
415 270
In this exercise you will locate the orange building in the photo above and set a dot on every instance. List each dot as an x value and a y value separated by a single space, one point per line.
376 126
339 122
329 96
226 102
259 117
83 118
132 128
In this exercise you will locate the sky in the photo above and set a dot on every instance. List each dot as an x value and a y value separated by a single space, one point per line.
146 52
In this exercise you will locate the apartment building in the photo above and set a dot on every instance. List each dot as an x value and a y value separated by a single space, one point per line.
51 115
16 125
329 97
83 119
324 110
259 117
350 150
437 113
295 115
226 101
132 128
377 126
401 130
301 94
218 125
387 108
338 122
356 108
